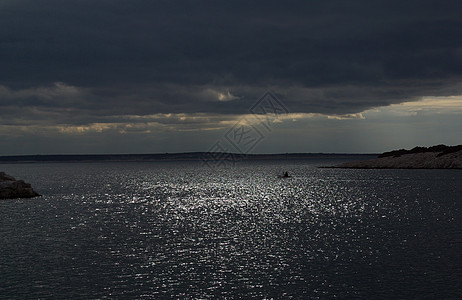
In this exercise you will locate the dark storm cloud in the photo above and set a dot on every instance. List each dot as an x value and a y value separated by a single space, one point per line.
148 57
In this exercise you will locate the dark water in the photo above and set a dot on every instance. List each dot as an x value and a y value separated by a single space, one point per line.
156 230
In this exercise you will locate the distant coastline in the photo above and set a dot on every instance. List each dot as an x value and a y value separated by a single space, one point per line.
189 156
435 157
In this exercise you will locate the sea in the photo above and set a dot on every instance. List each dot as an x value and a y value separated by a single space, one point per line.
188 230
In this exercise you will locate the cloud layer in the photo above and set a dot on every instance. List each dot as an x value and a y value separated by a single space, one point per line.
104 64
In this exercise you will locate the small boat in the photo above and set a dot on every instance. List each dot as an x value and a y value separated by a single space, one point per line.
286 175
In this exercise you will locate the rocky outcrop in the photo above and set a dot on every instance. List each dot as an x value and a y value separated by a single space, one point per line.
410 159
439 149
10 188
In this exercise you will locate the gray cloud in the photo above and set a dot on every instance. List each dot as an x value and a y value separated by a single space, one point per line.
82 62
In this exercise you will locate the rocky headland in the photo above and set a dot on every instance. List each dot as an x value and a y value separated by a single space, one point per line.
10 188
436 157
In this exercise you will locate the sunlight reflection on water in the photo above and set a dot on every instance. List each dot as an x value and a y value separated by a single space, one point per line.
183 230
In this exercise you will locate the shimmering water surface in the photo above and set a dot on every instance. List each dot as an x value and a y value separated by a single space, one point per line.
182 230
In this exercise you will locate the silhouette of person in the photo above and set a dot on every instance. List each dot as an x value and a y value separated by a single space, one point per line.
286 174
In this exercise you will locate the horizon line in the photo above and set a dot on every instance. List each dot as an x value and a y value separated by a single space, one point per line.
190 153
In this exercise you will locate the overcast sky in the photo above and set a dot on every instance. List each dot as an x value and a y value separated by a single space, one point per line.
100 76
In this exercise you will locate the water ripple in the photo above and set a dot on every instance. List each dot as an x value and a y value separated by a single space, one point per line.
185 231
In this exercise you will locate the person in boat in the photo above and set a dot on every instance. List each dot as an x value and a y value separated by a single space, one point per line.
286 174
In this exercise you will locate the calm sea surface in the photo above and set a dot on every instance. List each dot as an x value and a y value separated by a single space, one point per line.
182 230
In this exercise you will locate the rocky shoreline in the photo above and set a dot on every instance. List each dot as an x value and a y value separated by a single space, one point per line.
10 188
436 157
